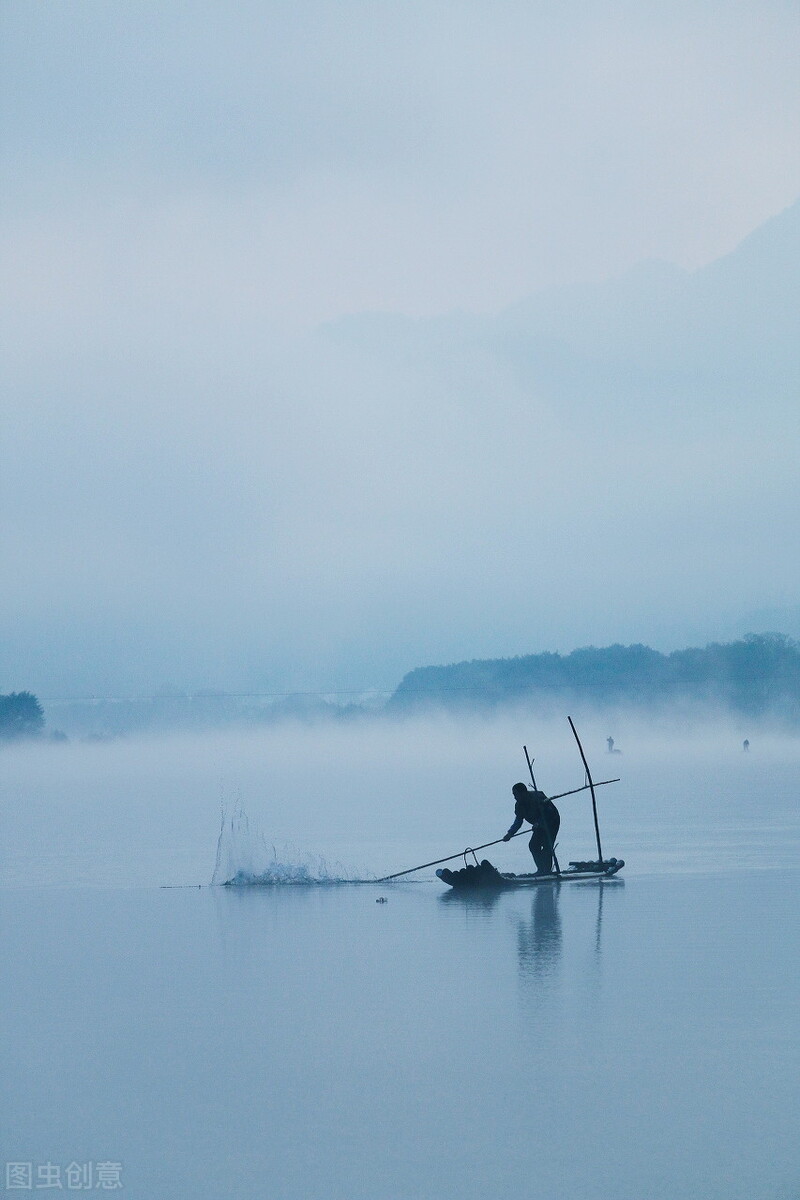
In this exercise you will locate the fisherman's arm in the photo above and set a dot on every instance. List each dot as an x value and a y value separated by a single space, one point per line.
513 829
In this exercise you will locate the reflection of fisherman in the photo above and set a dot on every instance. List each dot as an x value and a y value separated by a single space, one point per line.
539 939
545 820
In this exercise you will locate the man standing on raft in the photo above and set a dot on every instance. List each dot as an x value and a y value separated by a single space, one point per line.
545 820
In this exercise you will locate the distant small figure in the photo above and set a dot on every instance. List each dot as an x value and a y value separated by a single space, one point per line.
381 900
611 749
746 745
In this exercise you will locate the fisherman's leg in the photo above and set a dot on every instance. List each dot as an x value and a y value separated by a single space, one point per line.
548 840
540 850
532 846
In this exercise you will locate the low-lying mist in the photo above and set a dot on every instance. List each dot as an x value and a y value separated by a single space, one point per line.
354 801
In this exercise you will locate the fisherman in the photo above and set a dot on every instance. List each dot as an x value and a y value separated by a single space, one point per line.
545 820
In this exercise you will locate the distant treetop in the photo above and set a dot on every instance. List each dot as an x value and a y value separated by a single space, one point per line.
21 716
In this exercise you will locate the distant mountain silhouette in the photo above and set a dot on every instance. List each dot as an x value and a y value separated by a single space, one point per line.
742 309
724 332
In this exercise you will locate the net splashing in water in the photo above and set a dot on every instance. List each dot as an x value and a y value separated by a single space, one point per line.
246 859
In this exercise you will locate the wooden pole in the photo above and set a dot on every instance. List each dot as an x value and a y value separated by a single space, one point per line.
529 761
591 786
450 857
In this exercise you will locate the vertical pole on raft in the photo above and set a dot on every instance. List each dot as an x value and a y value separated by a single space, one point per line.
545 826
529 761
591 788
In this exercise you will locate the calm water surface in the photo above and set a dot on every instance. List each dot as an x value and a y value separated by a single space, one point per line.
638 1038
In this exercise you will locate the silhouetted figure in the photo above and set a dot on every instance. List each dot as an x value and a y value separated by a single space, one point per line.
611 749
545 821
746 745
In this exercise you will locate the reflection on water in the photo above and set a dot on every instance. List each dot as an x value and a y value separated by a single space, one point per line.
436 1037
539 936
535 915
598 929
481 900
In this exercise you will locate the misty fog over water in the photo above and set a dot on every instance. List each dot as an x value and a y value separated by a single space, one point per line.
371 798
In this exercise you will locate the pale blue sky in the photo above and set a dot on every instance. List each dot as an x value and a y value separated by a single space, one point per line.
198 487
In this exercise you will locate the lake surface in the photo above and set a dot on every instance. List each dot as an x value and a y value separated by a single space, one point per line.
638 1037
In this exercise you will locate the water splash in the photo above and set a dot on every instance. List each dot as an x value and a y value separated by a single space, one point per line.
245 858
278 872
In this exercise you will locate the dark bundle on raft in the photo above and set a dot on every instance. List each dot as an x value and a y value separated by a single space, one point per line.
483 875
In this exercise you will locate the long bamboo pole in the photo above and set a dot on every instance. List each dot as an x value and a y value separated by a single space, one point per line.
591 786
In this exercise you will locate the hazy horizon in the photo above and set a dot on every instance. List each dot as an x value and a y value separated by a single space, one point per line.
364 800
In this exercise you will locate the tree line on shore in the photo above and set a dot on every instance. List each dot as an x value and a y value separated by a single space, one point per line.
757 676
